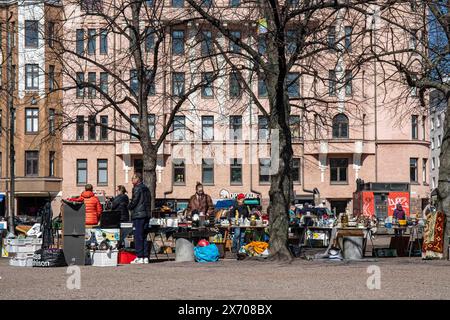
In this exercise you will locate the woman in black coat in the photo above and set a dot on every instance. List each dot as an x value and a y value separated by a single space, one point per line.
120 203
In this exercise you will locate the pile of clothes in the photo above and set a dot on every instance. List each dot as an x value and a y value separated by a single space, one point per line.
256 249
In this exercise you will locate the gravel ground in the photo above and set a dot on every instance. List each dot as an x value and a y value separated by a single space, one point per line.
409 278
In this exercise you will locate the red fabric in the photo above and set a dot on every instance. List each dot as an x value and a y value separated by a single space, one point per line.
398 197
368 204
93 206
240 196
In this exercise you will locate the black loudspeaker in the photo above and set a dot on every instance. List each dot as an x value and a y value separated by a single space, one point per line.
74 218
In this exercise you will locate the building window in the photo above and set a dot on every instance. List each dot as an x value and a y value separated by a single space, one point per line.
262 45
348 38
424 122
263 128
208 171
235 86
92 79
103 41
296 170
81 171
236 171
207 3
91 5
178 3
149 3
104 82
31 33
338 170
264 170
207 88
51 164
414 88
413 175
331 38
233 46
235 3
293 84
236 127
178 84
178 42
207 127
151 119
135 120
102 172
92 35
80 127
80 84
207 43
424 170
134 81
291 40
179 172
51 34
80 42
413 39
294 123
262 88
31 120
92 129
51 78
31 163
149 39
104 128
151 84
331 82
51 121
414 127
179 128
340 126
31 77
348 83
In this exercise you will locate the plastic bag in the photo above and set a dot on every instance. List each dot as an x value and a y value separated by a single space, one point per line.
49 258
206 254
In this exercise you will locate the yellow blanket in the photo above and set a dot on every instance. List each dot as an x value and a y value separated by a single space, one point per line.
256 246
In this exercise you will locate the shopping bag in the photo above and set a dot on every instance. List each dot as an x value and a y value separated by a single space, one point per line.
206 254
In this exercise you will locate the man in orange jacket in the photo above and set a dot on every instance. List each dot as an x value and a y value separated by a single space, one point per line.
92 204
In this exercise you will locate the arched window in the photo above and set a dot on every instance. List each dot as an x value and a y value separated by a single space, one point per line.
340 126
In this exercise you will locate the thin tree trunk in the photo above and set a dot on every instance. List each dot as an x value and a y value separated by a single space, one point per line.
149 156
444 176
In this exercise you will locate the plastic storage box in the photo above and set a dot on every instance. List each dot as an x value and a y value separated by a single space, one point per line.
21 262
104 258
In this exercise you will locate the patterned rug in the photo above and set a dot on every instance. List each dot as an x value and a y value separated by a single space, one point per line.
433 240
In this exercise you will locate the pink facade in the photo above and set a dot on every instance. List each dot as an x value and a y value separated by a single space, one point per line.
380 145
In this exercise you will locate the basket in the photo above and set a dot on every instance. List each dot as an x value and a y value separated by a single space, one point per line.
29 248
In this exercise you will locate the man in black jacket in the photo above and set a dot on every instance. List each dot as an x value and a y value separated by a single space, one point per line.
140 215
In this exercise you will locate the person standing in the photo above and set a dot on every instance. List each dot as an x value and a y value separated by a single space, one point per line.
399 214
240 211
92 205
140 216
200 202
120 203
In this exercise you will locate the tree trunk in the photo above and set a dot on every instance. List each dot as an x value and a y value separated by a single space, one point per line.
149 156
444 176
281 186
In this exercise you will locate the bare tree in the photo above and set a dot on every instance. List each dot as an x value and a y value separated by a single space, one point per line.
134 71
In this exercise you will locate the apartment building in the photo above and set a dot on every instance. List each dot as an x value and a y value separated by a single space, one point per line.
438 106
26 30
220 136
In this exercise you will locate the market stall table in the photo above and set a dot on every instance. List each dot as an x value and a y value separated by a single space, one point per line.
255 229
